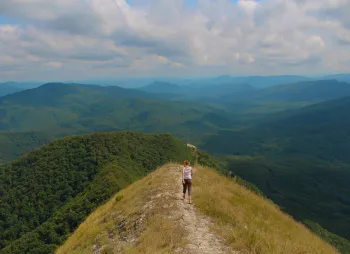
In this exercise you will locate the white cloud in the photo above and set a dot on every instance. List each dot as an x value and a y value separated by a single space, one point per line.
60 39
54 64
248 5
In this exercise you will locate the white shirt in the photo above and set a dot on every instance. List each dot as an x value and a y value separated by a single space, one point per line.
187 173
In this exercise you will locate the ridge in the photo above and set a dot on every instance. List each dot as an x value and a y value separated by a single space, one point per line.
149 216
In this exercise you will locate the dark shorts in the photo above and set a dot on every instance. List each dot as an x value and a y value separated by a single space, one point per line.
188 184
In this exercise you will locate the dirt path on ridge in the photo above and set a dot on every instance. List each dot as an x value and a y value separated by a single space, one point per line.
201 239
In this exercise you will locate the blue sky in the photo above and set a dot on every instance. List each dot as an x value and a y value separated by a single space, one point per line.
5 20
114 38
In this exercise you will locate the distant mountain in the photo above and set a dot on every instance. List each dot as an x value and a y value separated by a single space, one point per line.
9 88
262 82
226 90
163 88
258 82
313 91
218 93
293 96
339 77
57 110
300 159
62 94
222 94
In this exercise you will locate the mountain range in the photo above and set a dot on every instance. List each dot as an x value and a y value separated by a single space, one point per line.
55 110
246 97
290 140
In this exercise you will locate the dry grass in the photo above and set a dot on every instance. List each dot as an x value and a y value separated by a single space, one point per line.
161 236
132 216
138 220
250 223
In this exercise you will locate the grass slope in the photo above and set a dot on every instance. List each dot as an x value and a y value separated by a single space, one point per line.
47 193
247 222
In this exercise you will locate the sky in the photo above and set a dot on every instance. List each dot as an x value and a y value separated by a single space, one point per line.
83 39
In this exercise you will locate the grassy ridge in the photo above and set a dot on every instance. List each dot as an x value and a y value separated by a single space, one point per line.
246 221
111 224
47 193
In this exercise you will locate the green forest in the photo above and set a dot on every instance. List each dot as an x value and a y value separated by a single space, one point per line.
60 183
288 142
299 159
32 117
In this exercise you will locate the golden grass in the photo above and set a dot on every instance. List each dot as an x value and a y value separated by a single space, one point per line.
250 223
119 219
162 236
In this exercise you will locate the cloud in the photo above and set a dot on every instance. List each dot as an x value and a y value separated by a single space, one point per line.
54 64
87 38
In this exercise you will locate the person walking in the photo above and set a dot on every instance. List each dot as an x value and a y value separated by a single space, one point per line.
187 181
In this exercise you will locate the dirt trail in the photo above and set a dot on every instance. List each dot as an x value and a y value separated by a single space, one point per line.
200 238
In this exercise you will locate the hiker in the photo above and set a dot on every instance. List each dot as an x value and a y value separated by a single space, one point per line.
187 180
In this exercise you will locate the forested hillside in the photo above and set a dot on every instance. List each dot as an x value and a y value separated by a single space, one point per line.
47 193
15 144
55 110
298 159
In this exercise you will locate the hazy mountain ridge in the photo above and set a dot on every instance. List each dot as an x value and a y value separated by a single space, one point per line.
247 97
58 109
314 91
163 87
9 88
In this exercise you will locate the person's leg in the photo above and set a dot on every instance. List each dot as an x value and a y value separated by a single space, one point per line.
184 185
189 183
